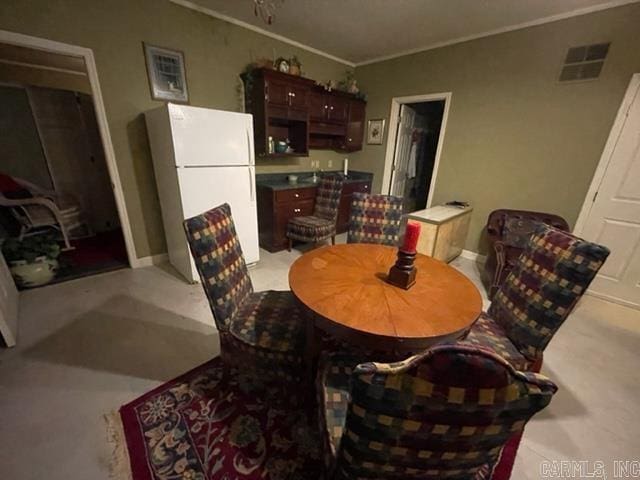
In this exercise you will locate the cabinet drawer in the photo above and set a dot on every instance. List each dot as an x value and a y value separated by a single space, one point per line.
295 194
294 209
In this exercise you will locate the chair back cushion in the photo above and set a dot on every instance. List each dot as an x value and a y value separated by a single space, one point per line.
514 227
547 280
218 257
516 231
444 414
375 219
11 189
328 197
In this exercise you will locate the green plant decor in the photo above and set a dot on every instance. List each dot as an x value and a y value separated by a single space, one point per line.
246 89
295 61
30 248
345 85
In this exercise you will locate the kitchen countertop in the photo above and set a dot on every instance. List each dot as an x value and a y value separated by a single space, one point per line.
278 181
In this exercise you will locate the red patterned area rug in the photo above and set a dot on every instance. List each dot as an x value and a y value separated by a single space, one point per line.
208 425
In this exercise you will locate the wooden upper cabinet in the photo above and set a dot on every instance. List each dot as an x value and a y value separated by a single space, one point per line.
328 107
355 125
282 93
338 110
278 103
291 107
298 96
317 107
276 93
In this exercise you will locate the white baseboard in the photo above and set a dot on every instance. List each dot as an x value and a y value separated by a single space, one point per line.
151 260
612 299
476 257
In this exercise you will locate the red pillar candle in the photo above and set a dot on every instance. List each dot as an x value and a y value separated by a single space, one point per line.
411 235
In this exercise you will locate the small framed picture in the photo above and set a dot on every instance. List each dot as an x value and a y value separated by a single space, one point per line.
167 77
375 131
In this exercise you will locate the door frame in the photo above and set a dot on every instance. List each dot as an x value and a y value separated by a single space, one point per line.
607 153
394 116
37 43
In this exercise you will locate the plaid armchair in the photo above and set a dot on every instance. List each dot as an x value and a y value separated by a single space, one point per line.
507 233
444 414
322 224
260 333
375 219
553 272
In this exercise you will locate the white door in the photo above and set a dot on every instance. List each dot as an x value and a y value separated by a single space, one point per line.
403 150
202 189
206 137
8 305
75 169
614 217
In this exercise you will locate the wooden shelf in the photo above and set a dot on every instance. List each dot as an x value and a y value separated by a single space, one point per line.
290 107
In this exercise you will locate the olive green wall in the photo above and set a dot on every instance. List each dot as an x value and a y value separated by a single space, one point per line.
515 138
215 53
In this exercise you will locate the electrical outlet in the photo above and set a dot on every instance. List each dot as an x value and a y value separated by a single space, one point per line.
330 164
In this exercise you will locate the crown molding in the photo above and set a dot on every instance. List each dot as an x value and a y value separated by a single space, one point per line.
212 13
489 33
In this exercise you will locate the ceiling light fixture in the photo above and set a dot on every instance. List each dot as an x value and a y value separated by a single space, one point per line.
266 9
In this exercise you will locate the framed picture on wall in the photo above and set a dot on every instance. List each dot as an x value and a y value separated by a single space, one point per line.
167 76
375 131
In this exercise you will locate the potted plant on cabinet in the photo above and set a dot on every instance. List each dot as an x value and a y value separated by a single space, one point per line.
32 260
295 67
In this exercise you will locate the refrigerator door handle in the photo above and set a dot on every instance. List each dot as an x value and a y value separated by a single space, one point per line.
249 147
252 187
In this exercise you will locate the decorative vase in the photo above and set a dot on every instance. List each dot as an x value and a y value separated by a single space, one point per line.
39 272
294 70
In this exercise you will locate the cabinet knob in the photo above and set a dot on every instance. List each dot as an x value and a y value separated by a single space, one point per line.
366 187
296 195
330 108
350 139
296 210
326 106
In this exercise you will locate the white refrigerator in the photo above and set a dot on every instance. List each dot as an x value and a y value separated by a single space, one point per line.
203 158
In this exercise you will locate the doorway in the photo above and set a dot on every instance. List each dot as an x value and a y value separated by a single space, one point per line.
55 183
416 133
610 214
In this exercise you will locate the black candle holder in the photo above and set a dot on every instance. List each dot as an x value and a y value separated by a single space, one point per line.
403 273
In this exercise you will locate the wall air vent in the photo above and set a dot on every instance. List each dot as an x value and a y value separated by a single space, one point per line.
584 63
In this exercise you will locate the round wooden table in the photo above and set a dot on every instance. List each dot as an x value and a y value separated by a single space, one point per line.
344 285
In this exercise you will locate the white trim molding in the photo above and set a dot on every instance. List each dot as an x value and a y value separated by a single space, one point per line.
497 31
476 257
19 39
226 18
609 147
153 260
396 102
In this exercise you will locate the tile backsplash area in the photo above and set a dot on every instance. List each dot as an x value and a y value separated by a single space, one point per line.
324 159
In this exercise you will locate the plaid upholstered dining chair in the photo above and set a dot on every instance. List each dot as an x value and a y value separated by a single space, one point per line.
261 333
322 224
446 413
375 219
542 289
